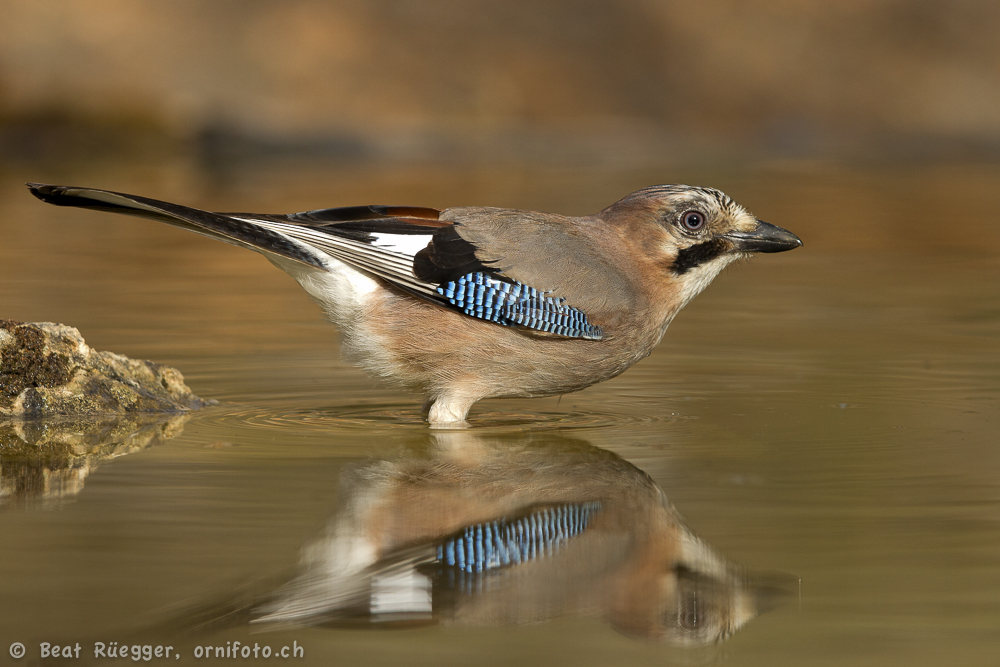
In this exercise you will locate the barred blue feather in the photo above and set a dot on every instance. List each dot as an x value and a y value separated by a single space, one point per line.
487 546
513 304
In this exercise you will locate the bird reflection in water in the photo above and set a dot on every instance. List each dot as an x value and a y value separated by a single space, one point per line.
489 532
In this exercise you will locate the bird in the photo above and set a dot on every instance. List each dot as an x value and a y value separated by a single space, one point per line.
475 302
472 531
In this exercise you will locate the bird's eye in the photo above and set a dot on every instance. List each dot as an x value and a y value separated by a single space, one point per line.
689 616
693 220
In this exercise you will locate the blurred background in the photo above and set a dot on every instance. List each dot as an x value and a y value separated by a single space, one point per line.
829 412
630 82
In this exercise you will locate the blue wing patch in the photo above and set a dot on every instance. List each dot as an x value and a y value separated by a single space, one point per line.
487 546
514 304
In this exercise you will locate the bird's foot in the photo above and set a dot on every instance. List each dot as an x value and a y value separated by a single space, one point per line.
448 412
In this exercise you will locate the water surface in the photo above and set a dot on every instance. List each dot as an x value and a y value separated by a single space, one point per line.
829 414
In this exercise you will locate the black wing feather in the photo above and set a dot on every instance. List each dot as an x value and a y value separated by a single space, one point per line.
447 257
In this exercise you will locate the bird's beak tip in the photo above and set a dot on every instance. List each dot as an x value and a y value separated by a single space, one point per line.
765 238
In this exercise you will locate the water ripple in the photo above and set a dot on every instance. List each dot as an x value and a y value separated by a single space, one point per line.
406 415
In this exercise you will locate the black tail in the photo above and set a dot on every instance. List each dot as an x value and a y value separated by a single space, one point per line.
214 225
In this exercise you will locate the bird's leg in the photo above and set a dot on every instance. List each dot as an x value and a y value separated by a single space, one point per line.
460 447
448 411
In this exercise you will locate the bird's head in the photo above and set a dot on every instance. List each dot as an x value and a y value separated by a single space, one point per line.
692 233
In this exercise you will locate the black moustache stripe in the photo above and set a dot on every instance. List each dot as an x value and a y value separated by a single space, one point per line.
696 255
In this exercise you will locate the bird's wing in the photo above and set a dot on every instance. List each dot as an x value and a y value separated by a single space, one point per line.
570 258
408 581
411 248
418 251
380 240
536 532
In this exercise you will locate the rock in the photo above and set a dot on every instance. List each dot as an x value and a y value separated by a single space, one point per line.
49 460
47 370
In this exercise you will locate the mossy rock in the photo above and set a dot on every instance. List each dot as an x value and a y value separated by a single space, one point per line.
47 370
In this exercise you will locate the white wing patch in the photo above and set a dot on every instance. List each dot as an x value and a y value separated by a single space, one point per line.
407 244
401 592
387 257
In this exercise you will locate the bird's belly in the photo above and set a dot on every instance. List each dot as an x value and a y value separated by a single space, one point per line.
439 351
416 344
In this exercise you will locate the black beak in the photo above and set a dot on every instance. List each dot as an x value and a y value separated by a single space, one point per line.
765 238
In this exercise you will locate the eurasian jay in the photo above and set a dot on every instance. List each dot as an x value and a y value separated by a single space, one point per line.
504 531
469 303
